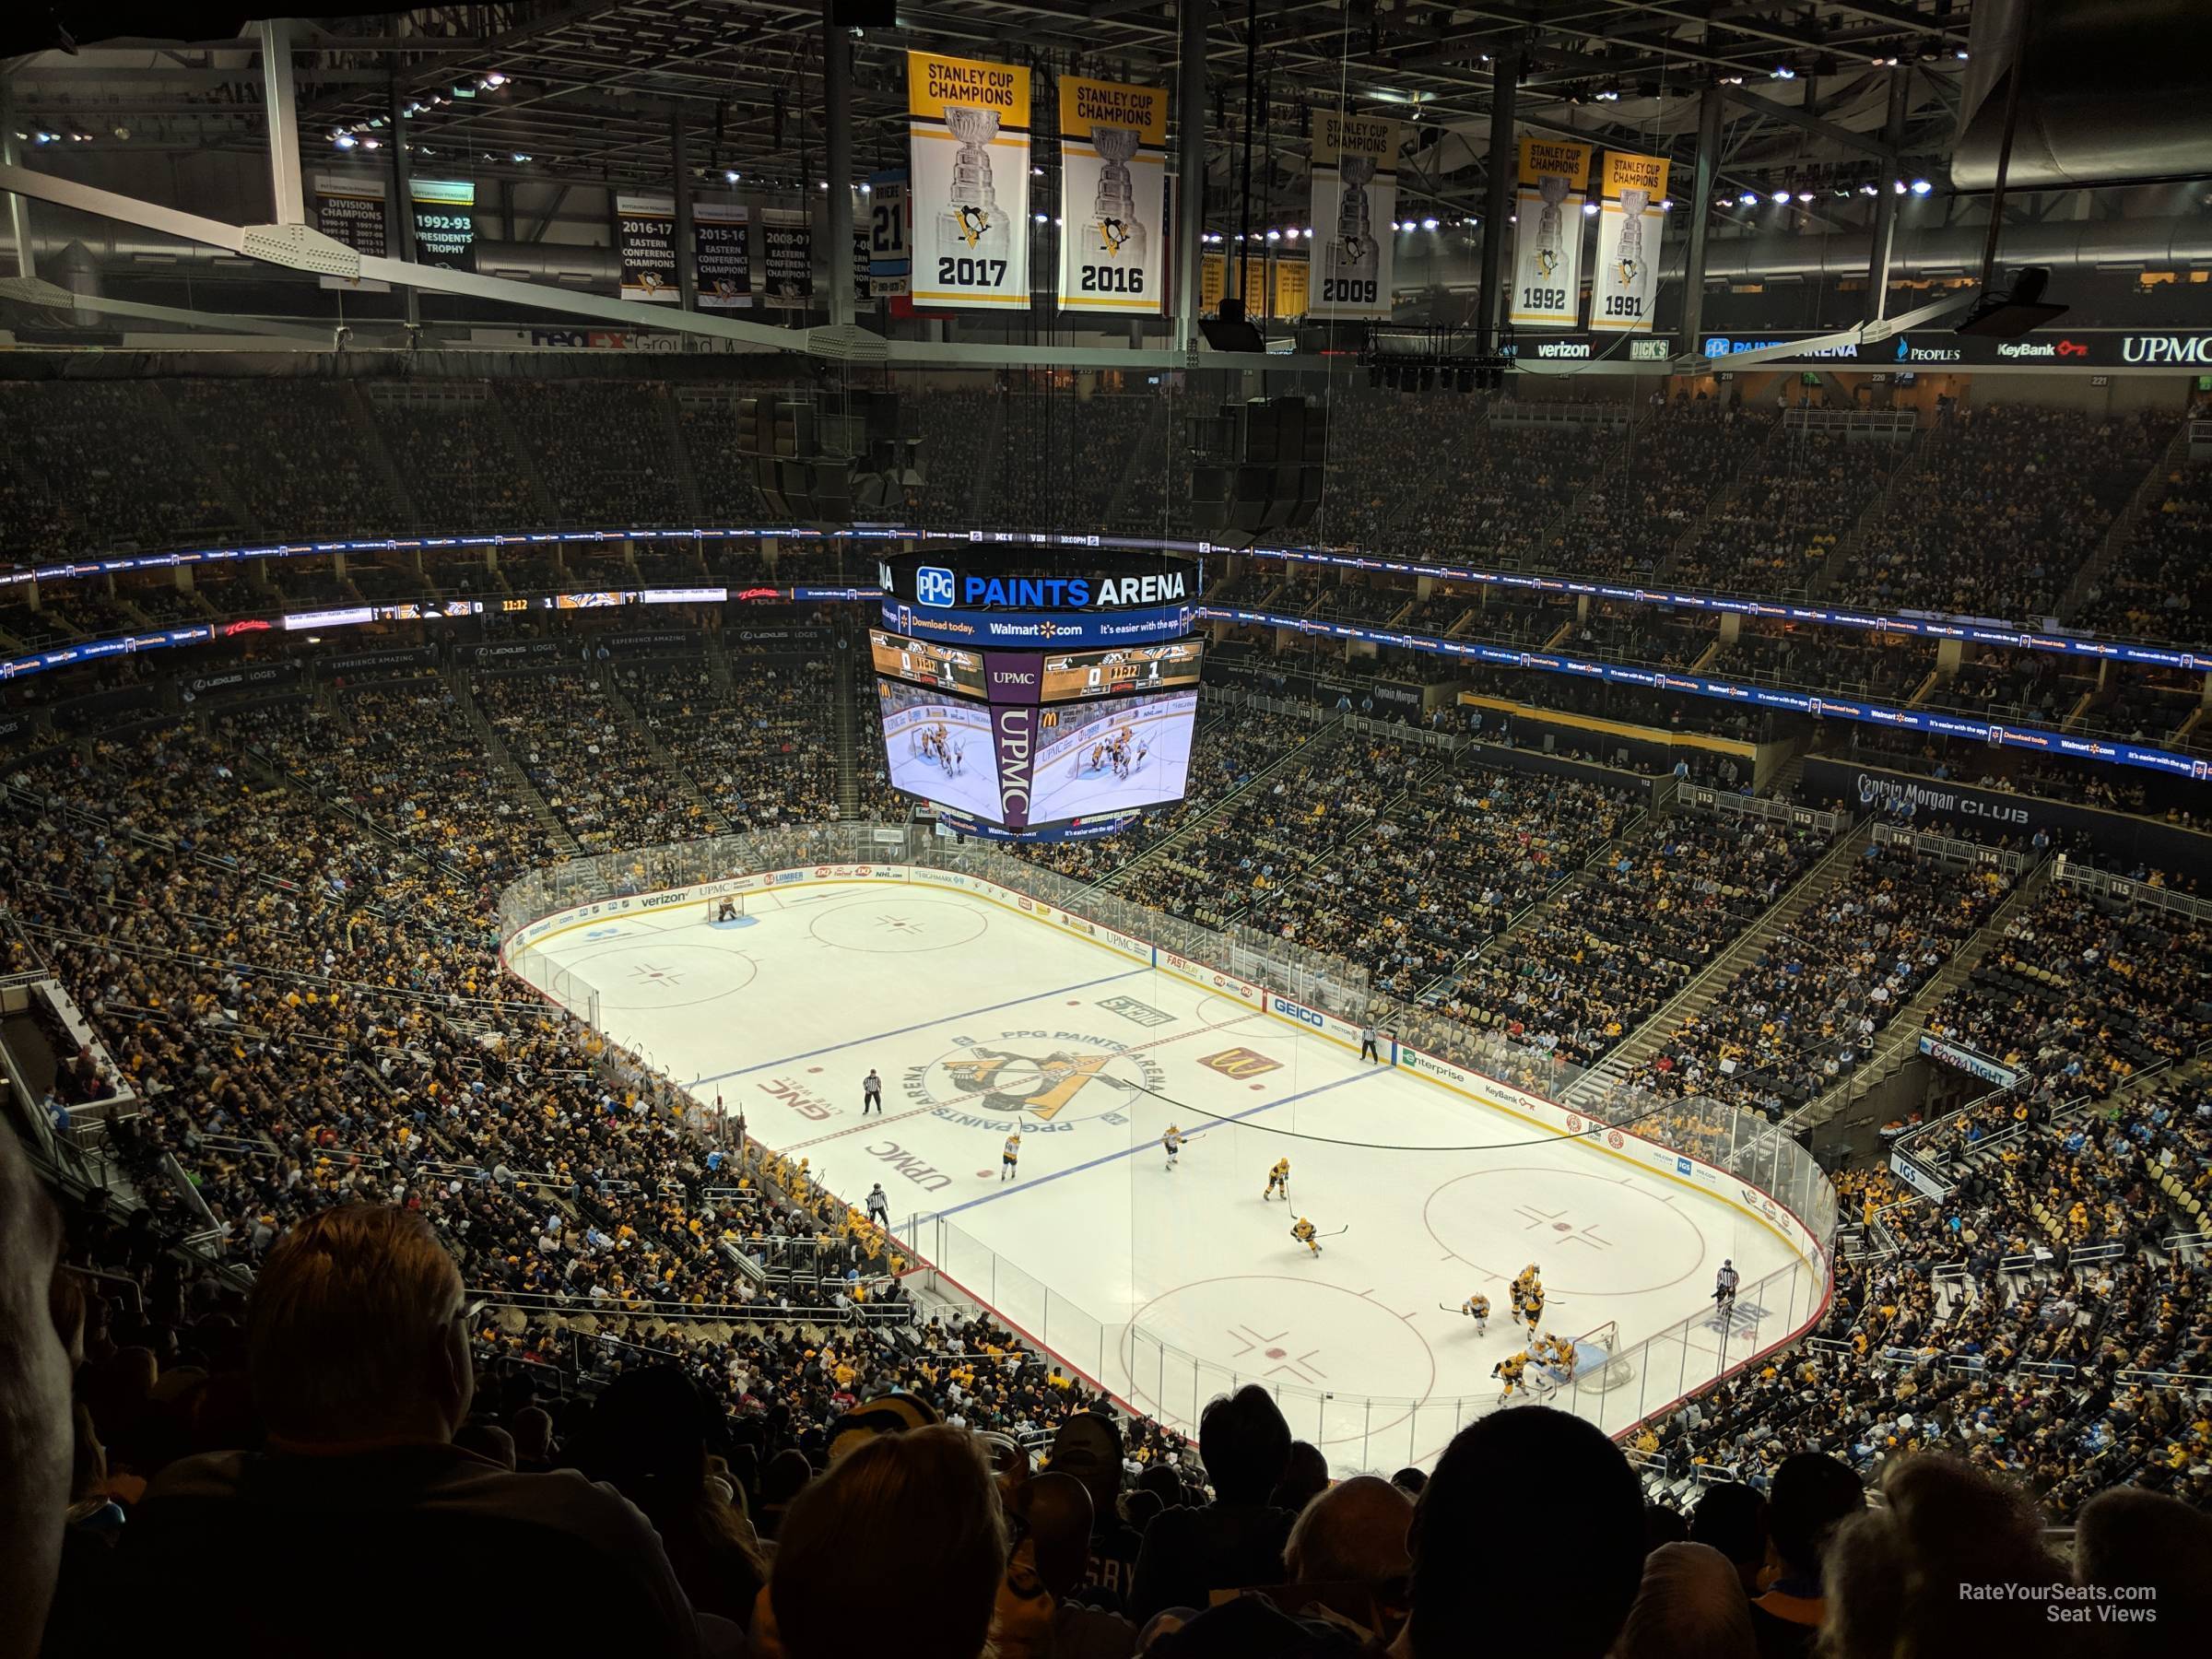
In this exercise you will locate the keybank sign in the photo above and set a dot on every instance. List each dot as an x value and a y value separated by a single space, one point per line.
2194 350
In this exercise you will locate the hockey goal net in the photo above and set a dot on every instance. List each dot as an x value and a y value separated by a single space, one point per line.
1598 1361
730 907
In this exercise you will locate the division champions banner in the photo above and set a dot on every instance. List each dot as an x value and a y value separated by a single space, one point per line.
1355 197
722 257
645 244
1114 193
1624 289
1547 244
350 209
969 125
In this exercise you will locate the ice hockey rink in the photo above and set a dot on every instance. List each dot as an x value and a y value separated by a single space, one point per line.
1166 1285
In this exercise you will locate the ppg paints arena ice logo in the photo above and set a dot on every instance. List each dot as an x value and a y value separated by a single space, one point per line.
1037 1081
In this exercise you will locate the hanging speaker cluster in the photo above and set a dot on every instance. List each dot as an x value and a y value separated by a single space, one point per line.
1256 467
831 458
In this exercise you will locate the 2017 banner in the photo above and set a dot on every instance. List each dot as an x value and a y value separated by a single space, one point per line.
1113 161
1355 197
351 210
1624 289
722 255
1547 244
645 244
969 125
786 259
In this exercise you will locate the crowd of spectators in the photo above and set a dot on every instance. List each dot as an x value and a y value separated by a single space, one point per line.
2004 504
1798 497
605 450
1807 1010
449 446
569 735
761 746
94 467
1674 467
2159 587
293 451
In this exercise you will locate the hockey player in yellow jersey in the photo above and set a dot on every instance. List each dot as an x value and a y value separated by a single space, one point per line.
1010 1160
1303 1232
1508 1371
1279 1180
1531 1308
1477 1308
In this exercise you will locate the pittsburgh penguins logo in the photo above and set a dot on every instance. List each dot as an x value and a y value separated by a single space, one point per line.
1115 234
974 221
1038 1076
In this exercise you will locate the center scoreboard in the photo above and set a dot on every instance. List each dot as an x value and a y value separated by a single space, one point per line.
1038 696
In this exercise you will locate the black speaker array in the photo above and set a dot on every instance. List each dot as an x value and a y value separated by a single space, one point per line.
830 461
1256 468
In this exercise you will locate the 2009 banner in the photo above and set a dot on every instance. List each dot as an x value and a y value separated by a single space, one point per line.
1548 242
1113 158
1624 289
1355 197
969 125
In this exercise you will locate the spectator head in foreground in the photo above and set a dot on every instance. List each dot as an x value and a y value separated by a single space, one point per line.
1304 1478
1354 1533
1813 1494
897 1550
1732 1517
35 1420
1904 1580
1245 1444
1691 1605
2127 1536
357 1332
1566 1605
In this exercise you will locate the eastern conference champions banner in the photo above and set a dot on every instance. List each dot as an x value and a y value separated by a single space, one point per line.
645 243
722 258
1624 289
1547 244
969 125
786 259
1355 197
1113 158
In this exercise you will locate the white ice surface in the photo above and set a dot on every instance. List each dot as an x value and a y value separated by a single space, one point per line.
1170 1286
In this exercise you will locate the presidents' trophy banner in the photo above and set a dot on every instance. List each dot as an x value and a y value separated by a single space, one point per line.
1113 160
1624 289
1355 197
645 243
969 125
1548 247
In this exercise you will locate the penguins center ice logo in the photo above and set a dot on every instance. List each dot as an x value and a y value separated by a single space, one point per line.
1034 1079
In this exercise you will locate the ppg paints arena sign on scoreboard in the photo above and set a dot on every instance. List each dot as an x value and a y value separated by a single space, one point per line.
1090 596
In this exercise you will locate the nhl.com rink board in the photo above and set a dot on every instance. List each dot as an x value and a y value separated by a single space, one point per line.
986 1009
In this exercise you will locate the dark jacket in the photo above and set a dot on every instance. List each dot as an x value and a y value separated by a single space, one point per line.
1190 1553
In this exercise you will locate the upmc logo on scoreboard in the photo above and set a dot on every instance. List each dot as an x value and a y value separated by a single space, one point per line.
933 585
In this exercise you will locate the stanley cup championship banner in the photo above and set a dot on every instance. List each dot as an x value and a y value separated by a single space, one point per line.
1355 197
645 243
1113 158
969 125
1624 289
1547 245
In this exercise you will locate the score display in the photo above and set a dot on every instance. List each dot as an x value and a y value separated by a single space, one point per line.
1081 674
948 669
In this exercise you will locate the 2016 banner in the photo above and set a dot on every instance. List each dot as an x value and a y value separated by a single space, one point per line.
722 255
645 246
351 210
969 125
1624 290
1547 244
786 259
1113 160
1355 197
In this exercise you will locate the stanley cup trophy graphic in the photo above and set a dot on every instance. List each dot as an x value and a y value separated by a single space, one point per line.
1629 260
1354 252
1551 225
970 223
1114 232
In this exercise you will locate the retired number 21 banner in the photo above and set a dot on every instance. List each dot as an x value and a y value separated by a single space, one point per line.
1624 289
969 125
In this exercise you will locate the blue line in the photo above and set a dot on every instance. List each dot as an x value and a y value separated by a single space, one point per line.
917 1026
1018 1189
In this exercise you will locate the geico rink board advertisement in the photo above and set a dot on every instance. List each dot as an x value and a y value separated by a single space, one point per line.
1114 190
969 125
